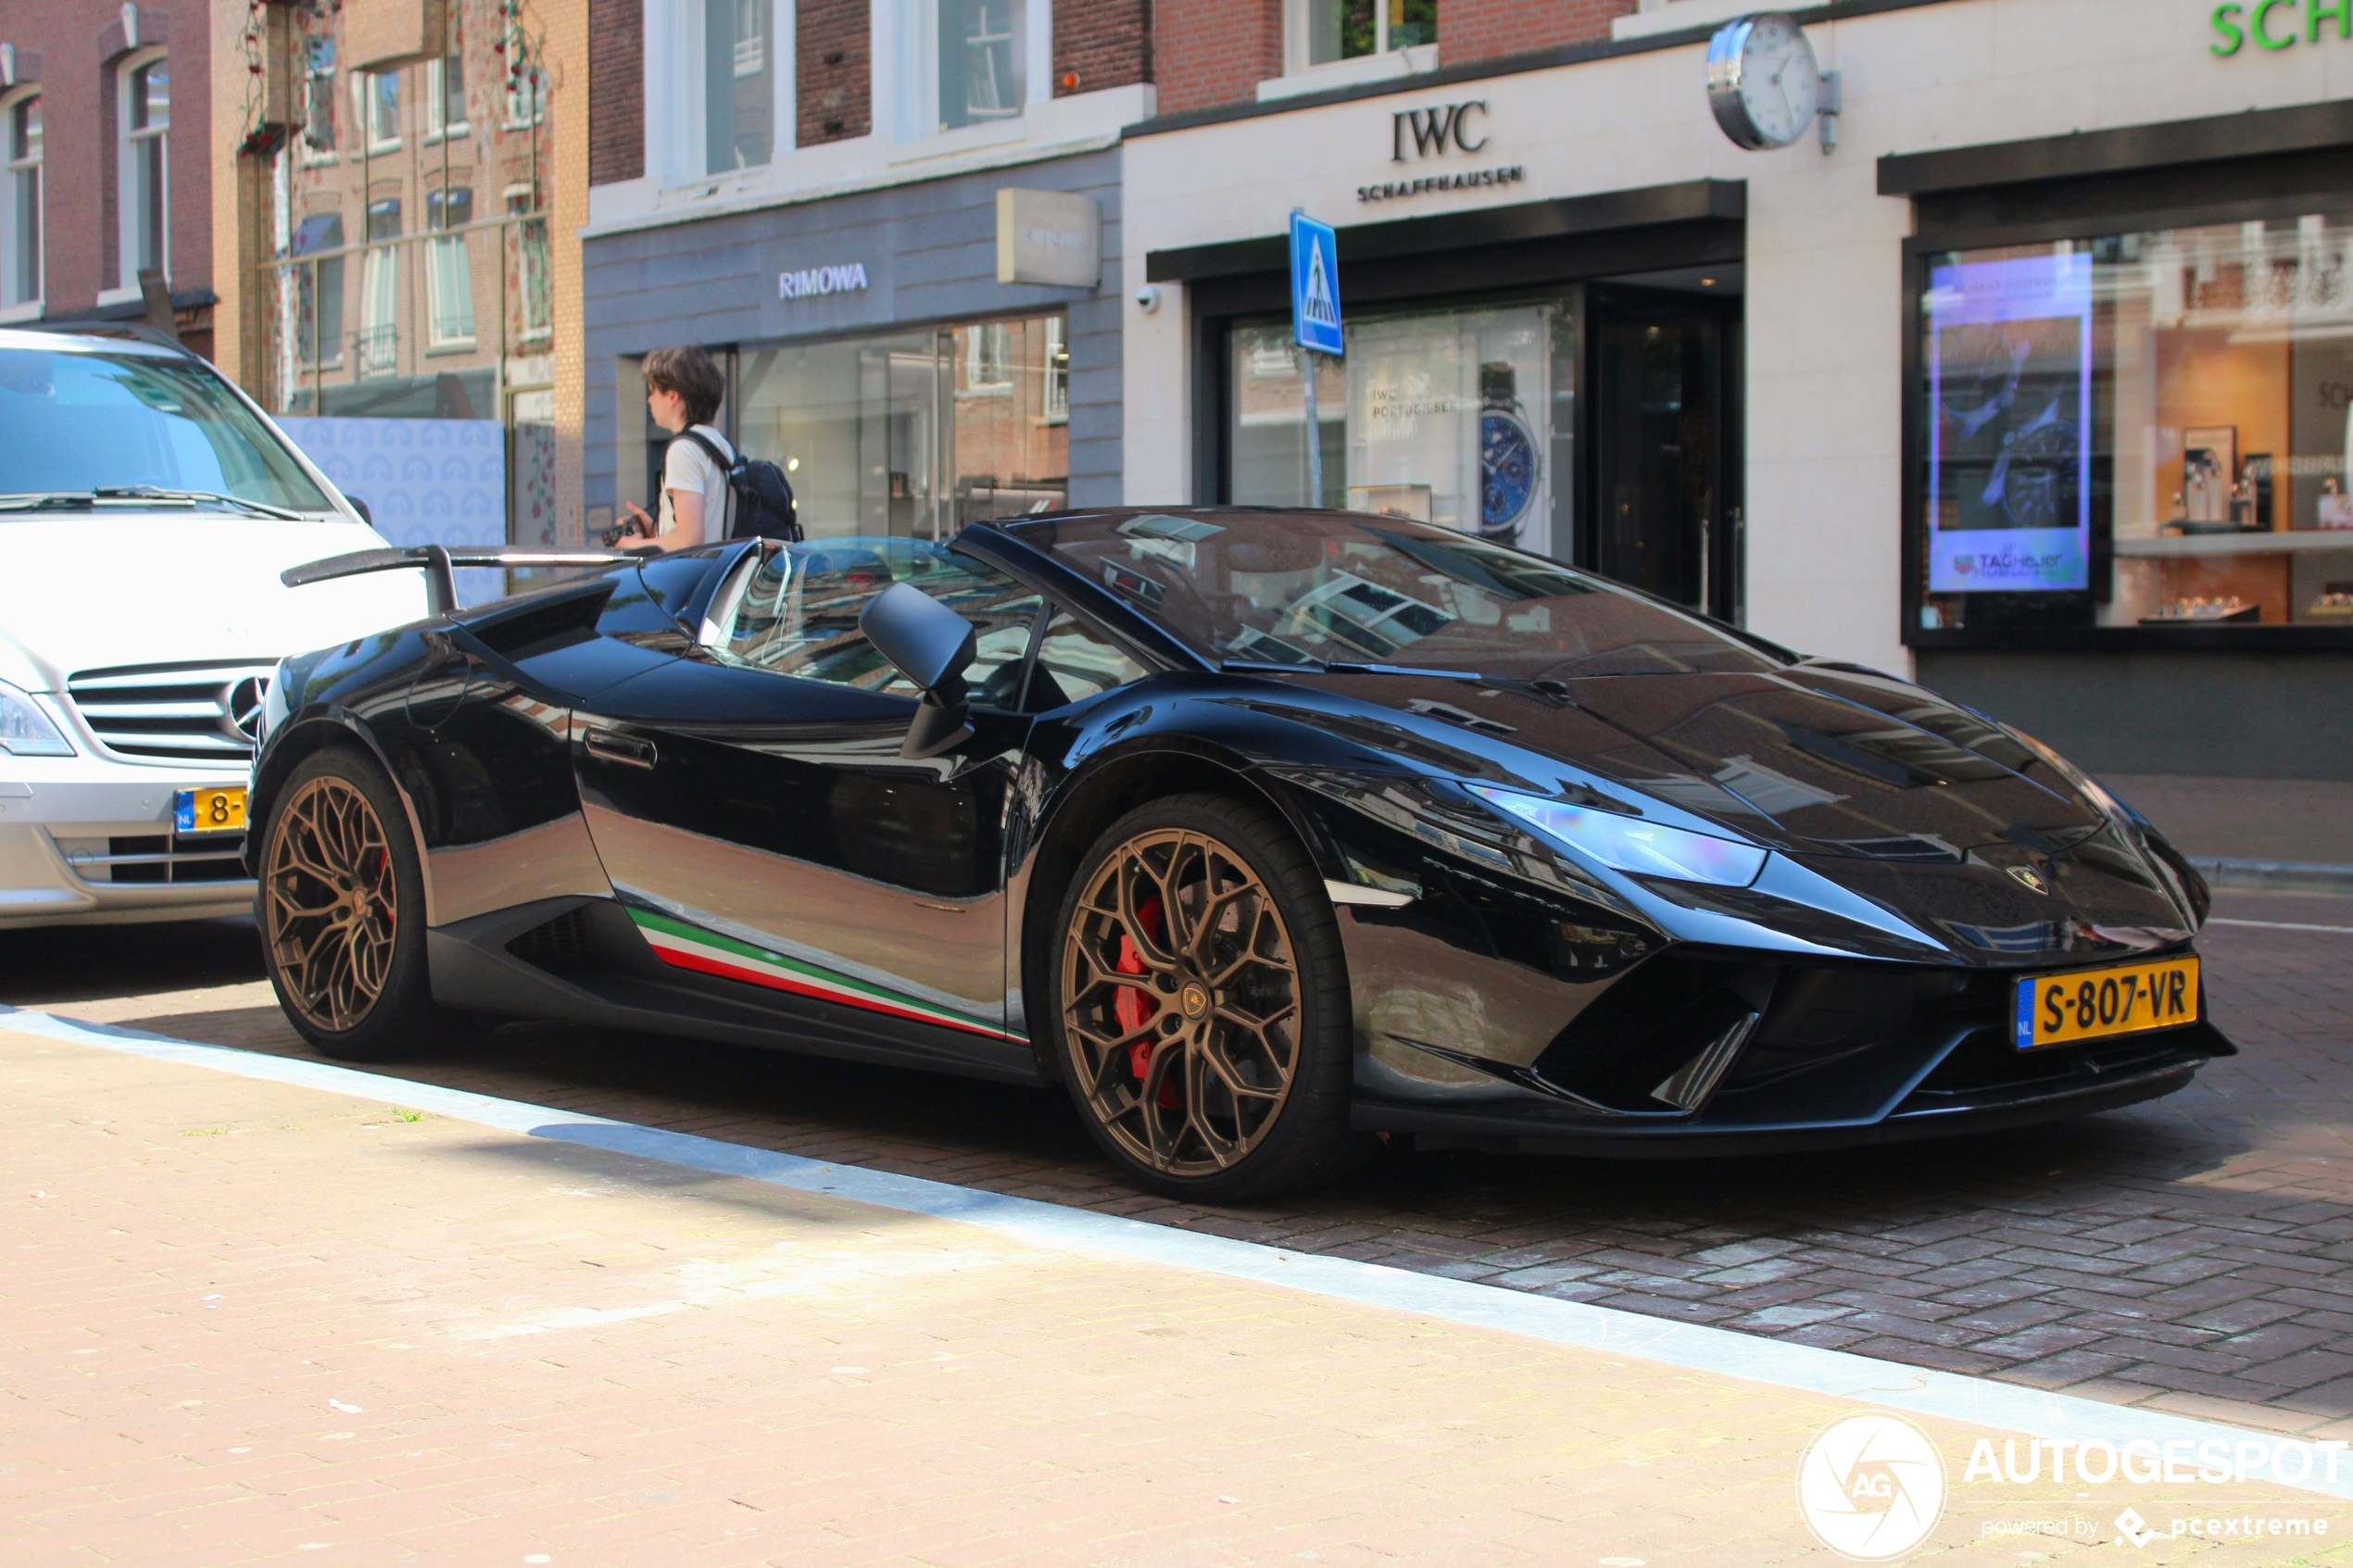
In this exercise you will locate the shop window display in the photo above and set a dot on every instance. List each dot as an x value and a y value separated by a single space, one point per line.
1461 417
912 434
2144 430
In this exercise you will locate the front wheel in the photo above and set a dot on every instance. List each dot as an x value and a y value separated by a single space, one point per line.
1203 1004
342 912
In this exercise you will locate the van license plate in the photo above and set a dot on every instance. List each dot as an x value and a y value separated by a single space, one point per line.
210 811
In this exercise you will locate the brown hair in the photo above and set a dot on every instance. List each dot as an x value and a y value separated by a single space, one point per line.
688 373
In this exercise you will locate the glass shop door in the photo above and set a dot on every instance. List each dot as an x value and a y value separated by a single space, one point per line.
1665 509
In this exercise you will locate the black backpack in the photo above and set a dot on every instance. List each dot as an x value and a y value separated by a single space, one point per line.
763 506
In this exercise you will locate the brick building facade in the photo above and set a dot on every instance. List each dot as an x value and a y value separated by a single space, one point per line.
103 115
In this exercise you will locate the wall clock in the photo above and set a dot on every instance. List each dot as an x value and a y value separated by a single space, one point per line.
1762 81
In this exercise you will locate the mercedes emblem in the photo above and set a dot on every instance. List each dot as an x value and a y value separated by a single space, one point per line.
242 707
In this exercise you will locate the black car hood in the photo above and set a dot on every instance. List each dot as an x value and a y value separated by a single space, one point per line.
1812 761
1841 777
1916 804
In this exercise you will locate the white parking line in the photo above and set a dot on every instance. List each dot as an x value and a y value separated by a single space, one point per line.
2281 925
1836 1374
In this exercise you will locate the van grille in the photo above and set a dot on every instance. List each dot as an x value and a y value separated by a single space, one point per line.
185 712
157 858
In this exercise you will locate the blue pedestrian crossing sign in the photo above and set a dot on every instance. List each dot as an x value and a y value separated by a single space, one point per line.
1315 284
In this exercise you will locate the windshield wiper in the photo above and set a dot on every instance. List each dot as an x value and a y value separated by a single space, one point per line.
31 500
156 493
1339 667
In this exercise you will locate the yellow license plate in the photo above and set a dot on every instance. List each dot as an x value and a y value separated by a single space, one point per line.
210 811
2095 1004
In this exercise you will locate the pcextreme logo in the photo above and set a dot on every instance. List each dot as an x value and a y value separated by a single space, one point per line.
1870 1486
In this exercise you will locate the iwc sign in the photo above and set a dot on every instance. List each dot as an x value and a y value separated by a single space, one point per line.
1435 132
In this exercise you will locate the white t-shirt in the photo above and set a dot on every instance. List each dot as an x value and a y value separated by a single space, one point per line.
686 466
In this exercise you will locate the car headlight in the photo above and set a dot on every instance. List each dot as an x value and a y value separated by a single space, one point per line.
25 731
1629 844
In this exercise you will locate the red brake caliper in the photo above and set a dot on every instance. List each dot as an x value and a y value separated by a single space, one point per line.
1135 1007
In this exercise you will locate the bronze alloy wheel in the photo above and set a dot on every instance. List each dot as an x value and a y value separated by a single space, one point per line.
1181 1002
332 904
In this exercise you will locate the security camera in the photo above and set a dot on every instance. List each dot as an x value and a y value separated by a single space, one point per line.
1147 298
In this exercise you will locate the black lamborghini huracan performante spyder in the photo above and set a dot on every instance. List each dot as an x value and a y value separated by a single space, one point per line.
1260 832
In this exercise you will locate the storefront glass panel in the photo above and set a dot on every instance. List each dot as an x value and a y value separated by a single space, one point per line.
406 335
1463 418
914 433
2140 430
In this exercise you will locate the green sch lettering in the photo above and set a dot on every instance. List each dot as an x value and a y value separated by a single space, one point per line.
2259 24
2233 38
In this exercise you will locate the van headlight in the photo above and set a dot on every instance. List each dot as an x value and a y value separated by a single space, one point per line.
25 731
1629 844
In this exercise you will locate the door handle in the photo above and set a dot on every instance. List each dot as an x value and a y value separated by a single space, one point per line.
632 750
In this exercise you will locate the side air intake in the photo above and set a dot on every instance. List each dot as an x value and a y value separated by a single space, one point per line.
560 946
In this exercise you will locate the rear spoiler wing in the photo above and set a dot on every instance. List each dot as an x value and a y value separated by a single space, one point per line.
439 563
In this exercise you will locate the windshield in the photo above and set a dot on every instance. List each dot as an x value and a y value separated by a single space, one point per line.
1334 587
795 612
82 420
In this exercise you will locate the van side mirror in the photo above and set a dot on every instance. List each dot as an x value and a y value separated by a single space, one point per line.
931 646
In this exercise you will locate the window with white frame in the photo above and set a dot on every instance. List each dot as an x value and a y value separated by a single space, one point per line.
534 282
319 293
379 340
144 162
449 285
740 85
526 82
379 109
1057 372
319 98
20 218
988 360
1325 31
445 96
978 61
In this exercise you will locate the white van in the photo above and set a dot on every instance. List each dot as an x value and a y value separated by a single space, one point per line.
146 508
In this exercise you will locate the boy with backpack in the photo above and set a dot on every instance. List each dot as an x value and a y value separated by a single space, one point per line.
709 491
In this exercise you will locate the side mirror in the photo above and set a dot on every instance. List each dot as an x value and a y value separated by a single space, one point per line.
931 646
360 506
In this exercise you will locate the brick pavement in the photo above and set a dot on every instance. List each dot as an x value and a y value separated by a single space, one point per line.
2195 1255
248 1322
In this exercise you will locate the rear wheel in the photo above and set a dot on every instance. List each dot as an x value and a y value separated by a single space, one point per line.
1202 1003
342 910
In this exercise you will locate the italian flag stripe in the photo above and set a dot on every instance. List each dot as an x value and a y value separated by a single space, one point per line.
709 952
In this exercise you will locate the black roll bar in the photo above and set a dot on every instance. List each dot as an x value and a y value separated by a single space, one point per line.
439 563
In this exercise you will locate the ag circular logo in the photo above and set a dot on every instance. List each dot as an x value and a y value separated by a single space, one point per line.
1871 1486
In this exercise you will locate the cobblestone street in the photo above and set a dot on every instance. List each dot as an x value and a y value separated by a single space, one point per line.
2195 1255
